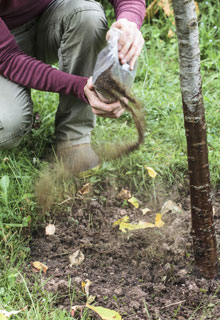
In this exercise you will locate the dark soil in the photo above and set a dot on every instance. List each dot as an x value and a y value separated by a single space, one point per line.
146 274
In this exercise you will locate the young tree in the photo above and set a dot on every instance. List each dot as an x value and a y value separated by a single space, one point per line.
203 233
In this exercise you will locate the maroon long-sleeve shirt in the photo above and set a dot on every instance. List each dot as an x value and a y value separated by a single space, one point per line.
27 71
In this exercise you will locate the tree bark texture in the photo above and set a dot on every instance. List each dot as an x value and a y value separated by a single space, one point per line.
203 233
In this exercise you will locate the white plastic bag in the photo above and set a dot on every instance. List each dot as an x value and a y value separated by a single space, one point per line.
108 60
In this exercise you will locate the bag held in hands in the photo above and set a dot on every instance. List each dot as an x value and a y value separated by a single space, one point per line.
109 66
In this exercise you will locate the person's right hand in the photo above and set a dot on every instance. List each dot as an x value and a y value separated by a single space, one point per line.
100 108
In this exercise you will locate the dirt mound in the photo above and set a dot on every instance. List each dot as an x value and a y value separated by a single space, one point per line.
146 274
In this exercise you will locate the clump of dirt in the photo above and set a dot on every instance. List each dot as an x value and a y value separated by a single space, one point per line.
146 274
112 90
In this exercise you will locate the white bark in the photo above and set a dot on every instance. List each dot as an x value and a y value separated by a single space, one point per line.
188 39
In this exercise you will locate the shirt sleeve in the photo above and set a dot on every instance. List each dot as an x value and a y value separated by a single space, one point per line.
30 72
133 10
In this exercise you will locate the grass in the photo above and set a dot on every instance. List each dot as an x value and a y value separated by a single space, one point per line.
157 86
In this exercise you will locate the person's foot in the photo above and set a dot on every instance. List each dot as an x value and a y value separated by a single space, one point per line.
78 159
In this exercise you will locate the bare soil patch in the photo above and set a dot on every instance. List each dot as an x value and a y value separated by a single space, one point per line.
146 274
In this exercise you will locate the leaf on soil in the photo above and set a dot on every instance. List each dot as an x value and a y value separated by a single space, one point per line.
105 314
76 258
4 315
125 226
85 286
90 299
124 194
85 189
170 206
158 221
134 202
39 266
146 210
122 220
50 229
152 173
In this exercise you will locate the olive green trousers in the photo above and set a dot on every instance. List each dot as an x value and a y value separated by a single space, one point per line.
70 32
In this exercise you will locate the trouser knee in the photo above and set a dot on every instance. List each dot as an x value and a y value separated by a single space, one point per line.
88 24
13 128
94 27
15 113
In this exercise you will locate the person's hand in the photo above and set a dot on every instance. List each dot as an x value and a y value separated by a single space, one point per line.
130 43
100 108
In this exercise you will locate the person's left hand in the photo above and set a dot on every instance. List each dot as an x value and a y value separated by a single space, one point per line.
130 43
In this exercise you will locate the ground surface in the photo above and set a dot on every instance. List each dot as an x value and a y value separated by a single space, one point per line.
146 274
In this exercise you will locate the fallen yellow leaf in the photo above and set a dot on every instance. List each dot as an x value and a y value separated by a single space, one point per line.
152 173
134 202
105 314
119 221
125 226
158 220
85 286
40 266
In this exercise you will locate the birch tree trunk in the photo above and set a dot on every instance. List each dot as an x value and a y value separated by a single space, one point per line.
203 233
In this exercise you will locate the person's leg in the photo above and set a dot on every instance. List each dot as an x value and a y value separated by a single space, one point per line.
72 32
15 113
15 100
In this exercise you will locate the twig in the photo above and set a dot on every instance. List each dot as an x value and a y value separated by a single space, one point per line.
64 201
173 304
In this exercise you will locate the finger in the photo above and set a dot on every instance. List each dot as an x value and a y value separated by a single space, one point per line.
107 35
107 112
133 55
134 59
125 48
119 113
104 114
90 84
113 107
129 40
112 116
135 47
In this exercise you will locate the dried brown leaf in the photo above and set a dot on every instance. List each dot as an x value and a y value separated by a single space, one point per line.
124 194
39 266
76 258
87 188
